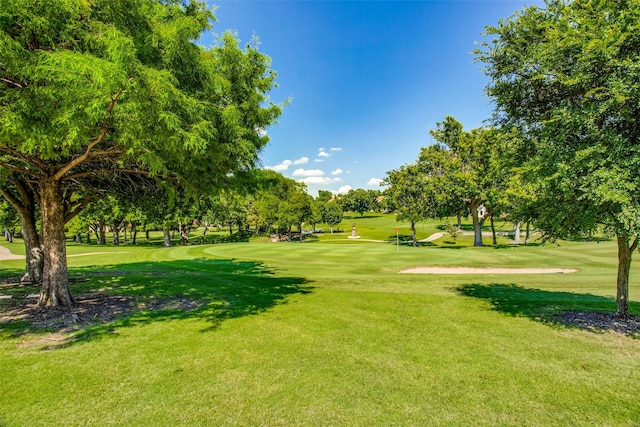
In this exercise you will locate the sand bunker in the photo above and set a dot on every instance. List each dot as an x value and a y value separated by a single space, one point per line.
488 270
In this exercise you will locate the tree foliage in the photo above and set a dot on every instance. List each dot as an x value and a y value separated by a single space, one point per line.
567 78
103 88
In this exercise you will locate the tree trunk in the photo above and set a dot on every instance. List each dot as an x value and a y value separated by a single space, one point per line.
527 233
459 218
55 279
413 234
116 233
184 234
25 205
102 231
33 248
167 237
624 265
146 235
78 237
477 223
134 234
89 236
516 236
493 230
7 235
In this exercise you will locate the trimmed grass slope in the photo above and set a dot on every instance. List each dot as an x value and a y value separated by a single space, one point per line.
328 334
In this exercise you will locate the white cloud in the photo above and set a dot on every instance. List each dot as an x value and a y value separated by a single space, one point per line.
319 180
308 172
280 166
374 182
286 163
336 172
344 189
335 149
319 160
323 153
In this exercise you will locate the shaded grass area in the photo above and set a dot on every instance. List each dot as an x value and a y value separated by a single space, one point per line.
538 304
210 290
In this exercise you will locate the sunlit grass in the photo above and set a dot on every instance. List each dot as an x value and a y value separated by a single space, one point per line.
329 334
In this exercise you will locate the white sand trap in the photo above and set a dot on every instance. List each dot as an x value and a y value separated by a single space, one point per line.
487 270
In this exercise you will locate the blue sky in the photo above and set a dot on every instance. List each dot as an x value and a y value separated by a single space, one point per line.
367 80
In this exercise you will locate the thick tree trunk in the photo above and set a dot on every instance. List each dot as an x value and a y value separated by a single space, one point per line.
516 237
527 233
625 250
146 235
89 236
477 223
413 234
493 230
33 249
167 237
55 280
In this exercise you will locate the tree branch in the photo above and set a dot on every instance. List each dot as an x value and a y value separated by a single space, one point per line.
13 200
34 161
634 245
12 82
19 170
27 198
72 213
132 171
80 159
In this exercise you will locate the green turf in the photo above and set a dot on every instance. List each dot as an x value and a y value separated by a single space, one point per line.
329 333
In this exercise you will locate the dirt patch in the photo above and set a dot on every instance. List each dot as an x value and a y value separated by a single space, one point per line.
598 321
487 270
88 310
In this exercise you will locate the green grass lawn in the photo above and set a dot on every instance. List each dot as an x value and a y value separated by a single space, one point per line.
328 333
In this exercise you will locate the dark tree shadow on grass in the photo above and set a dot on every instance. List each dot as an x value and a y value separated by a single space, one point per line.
142 293
587 311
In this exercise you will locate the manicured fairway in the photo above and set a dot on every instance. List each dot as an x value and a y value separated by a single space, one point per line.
329 334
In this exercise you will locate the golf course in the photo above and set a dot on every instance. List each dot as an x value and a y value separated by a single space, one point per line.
324 332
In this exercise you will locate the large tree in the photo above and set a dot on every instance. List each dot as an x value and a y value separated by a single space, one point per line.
104 87
414 194
469 176
567 76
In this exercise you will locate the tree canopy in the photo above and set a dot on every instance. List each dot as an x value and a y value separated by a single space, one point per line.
567 78
112 88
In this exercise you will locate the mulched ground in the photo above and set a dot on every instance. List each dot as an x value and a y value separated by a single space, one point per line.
598 321
88 310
